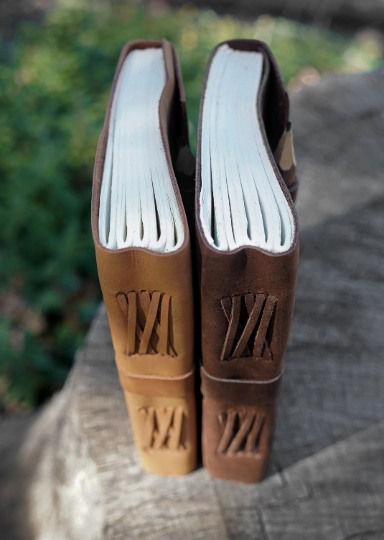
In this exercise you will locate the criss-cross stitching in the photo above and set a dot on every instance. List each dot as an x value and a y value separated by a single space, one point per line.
148 317
242 430
247 326
162 428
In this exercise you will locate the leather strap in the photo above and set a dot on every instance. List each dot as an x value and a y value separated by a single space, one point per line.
239 391
293 190
155 386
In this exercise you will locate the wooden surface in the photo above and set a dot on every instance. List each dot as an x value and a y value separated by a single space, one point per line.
71 471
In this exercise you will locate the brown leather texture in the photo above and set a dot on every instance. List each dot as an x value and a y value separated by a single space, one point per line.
149 300
247 299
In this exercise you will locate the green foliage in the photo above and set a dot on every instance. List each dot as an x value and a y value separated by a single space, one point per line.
54 86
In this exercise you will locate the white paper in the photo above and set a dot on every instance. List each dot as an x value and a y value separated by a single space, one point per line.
239 184
138 205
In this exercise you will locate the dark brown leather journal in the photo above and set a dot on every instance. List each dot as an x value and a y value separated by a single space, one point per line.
248 249
143 181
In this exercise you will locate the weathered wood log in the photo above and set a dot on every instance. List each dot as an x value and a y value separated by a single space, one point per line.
71 471
345 14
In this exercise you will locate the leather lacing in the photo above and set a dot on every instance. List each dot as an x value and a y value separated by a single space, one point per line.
152 337
260 310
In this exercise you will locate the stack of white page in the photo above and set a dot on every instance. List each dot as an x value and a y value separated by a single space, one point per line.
241 200
138 205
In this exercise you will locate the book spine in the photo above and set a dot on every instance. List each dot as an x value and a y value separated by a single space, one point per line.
247 300
149 303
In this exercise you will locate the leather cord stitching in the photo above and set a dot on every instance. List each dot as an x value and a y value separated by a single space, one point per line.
151 335
260 309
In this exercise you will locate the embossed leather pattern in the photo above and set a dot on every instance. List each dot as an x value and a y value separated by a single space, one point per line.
247 299
149 300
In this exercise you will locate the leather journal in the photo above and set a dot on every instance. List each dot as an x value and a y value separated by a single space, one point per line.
247 234
143 189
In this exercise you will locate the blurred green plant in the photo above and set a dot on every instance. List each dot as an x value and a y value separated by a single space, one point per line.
54 84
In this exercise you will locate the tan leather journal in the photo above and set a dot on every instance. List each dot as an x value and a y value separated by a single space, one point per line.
247 235
143 181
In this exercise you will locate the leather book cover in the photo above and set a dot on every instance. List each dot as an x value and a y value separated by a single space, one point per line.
247 299
149 298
